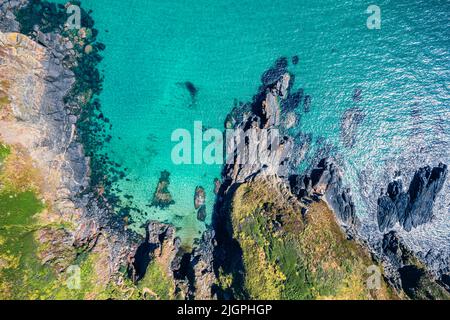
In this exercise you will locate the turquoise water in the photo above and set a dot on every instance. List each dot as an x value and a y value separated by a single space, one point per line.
223 47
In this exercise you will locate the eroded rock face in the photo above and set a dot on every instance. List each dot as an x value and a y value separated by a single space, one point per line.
191 272
326 181
160 244
202 264
258 145
413 207
37 71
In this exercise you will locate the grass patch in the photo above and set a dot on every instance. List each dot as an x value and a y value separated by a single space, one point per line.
17 172
4 152
156 284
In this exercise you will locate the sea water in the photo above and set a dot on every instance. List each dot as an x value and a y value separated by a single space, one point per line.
223 47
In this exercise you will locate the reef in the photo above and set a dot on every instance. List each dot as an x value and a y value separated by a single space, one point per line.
350 121
42 123
162 197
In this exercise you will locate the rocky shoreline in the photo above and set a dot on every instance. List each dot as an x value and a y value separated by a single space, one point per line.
44 62
62 118
53 122
323 182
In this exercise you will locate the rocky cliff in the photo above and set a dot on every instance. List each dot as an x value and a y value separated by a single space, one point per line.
36 73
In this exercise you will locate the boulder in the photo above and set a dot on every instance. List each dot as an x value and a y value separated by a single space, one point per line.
162 197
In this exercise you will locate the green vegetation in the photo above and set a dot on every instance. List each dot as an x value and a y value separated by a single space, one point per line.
4 152
22 274
287 256
4 99
156 284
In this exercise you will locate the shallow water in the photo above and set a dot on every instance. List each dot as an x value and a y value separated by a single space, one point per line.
223 47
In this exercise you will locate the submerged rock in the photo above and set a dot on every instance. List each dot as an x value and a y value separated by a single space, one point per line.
275 72
307 104
357 95
162 197
413 207
199 197
191 88
350 121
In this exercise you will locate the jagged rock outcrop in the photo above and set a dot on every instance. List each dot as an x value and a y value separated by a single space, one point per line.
160 244
192 272
413 207
326 181
202 259
162 197
257 145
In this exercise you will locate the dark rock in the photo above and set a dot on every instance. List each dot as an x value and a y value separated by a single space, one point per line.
192 89
202 261
292 101
295 60
162 197
275 72
424 187
387 213
158 235
248 157
414 207
201 213
444 281
410 276
217 185
357 95
326 181
405 273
